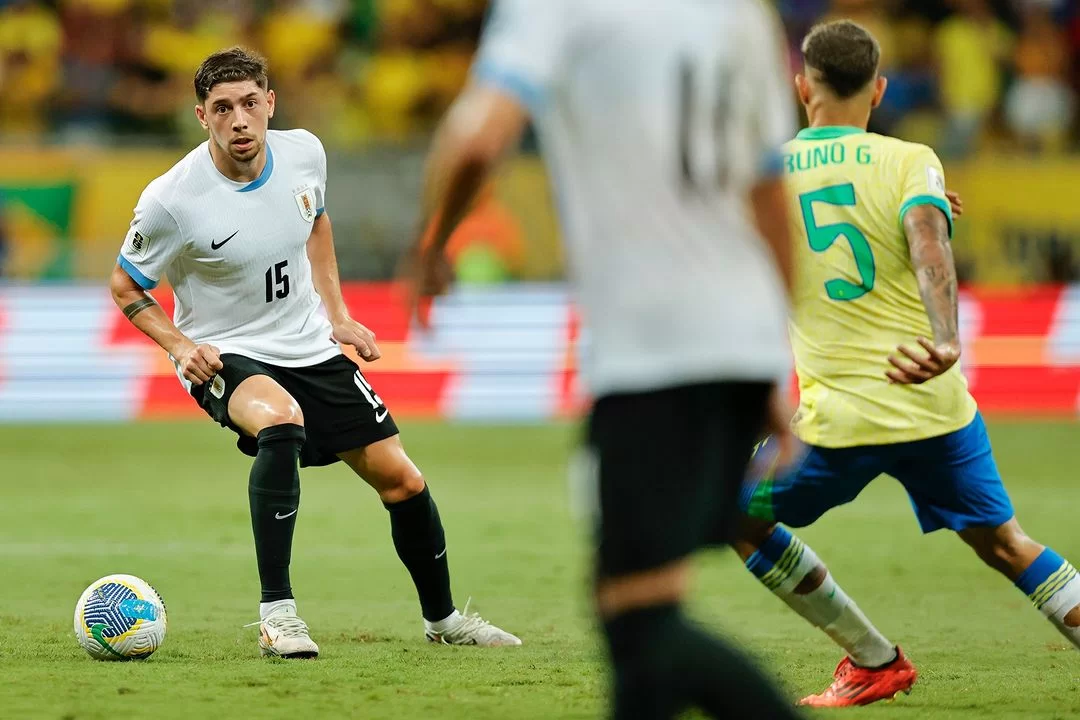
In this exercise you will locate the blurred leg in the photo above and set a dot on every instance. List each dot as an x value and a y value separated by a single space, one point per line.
664 487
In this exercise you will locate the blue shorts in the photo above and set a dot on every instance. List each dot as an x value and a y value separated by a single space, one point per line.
952 480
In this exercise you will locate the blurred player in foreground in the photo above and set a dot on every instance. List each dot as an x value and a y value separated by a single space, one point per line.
658 121
240 228
873 276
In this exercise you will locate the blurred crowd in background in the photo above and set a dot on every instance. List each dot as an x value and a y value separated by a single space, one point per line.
96 99
964 74
355 70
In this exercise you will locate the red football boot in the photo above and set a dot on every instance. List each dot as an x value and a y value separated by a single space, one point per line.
854 685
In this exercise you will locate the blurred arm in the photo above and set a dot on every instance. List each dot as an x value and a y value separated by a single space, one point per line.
481 127
769 202
764 89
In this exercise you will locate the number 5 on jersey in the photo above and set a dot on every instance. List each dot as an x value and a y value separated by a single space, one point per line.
822 237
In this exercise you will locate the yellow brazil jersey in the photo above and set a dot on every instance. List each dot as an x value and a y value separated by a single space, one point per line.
856 296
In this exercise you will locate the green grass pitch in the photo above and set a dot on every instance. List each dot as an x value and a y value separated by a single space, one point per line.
168 502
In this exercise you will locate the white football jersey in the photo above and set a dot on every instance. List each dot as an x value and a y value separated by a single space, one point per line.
236 253
655 119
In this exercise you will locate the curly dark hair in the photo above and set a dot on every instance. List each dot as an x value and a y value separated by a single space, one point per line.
232 65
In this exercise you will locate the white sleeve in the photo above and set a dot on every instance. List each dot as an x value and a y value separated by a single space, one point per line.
153 241
769 89
320 189
312 144
523 49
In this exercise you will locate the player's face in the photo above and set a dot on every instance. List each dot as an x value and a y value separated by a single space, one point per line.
237 115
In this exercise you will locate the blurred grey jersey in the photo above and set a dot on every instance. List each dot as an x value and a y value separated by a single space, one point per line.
655 119
236 253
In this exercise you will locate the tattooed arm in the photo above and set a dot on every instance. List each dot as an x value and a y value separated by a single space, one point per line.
927 231
199 363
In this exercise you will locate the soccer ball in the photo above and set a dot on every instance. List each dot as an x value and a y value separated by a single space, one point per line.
120 617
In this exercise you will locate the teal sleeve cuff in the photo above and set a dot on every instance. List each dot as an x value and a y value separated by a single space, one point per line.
940 203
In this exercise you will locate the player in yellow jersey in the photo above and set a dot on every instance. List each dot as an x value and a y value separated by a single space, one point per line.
874 334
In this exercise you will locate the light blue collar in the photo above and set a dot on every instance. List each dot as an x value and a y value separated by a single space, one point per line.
264 175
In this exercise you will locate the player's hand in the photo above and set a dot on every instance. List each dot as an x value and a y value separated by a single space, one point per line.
915 368
956 202
428 274
350 332
200 363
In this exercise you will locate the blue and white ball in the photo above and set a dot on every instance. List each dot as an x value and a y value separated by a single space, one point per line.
120 617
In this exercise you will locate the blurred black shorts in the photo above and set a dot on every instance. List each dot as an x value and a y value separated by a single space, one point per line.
670 466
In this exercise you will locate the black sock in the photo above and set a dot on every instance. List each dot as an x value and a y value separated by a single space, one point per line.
274 496
664 664
421 545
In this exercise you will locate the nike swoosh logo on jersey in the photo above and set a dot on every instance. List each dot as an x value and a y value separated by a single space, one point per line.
279 516
215 246
379 417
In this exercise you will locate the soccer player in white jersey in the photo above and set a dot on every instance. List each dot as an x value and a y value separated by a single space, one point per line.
239 227
658 122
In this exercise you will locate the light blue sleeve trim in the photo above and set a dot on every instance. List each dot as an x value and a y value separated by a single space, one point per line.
264 175
940 203
319 211
144 282
524 91
772 163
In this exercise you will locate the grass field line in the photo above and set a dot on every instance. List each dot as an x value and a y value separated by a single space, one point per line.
90 548
96 547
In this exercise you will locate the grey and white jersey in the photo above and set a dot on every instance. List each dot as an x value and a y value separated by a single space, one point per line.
236 253
655 119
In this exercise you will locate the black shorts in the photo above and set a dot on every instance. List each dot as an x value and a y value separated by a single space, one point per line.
671 463
341 410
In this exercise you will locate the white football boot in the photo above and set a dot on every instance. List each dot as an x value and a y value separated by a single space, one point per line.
470 629
283 634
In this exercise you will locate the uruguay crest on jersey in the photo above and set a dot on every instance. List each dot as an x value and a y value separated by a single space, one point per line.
305 201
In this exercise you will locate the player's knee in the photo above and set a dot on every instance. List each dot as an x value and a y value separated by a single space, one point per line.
645 589
1008 551
755 531
1005 548
752 532
406 483
282 414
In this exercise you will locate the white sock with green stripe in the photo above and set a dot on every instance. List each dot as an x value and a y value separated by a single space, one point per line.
782 562
1054 587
